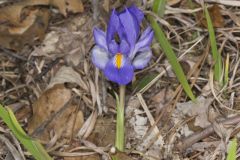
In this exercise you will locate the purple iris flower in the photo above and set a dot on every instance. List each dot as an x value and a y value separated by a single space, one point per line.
119 57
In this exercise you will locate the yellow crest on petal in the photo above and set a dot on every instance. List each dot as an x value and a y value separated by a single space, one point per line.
118 60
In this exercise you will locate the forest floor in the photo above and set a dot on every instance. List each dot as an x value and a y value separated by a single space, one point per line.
59 97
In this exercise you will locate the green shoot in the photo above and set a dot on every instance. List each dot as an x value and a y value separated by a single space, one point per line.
120 141
216 55
159 7
232 152
33 146
171 56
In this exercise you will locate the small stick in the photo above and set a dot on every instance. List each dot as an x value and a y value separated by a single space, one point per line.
95 10
188 141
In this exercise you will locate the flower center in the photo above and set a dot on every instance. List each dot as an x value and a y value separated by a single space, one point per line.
118 60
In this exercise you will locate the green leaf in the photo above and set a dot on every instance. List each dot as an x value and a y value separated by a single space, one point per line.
216 55
232 152
159 7
33 146
167 48
138 85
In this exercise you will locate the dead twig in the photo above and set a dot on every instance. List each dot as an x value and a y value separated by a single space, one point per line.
188 141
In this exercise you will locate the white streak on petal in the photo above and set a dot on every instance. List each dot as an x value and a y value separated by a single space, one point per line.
100 38
100 57
142 59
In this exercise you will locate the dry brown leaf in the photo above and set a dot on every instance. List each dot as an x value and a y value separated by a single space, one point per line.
23 22
67 74
65 6
51 111
104 132
199 109
31 28
88 126
216 17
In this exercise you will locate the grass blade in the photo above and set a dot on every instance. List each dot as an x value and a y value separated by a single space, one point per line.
159 7
216 55
33 146
232 152
167 48
138 85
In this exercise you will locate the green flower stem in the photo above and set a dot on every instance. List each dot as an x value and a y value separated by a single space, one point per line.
120 119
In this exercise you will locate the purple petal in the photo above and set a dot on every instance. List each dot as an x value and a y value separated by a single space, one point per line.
144 41
142 59
100 38
113 47
100 57
124 47
113 26
130 26
137 13
122 76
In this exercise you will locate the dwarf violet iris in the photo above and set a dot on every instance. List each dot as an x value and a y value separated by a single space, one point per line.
121 50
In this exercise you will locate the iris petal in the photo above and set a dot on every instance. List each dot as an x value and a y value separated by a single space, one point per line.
122 76
100 38
113 47
113 26
137 13
100 57
142 59
130 26
144 41
124 47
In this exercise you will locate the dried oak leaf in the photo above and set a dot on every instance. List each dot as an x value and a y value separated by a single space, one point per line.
25 21
65 6
199 109
53 112
215 14
16 35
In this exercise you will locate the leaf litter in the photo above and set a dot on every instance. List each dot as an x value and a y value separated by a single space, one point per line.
58 43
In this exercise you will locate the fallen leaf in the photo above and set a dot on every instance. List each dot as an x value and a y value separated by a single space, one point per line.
199 109
215 14
67 74
51 111
16 36
65 6
103 133
23 22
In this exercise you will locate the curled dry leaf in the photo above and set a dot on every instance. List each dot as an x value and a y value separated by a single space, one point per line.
51 111
17 35
67 74
24 21
103 133
199 109
64 6
72 40
88 126
215 14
